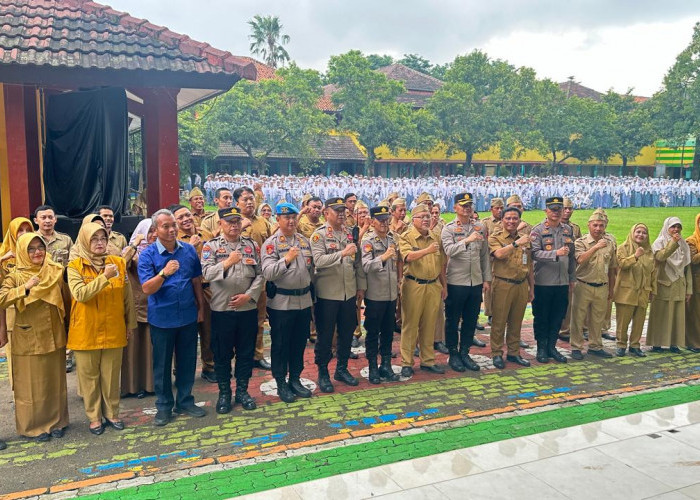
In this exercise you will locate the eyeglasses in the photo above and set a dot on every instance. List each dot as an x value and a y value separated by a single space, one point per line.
33 250
98 240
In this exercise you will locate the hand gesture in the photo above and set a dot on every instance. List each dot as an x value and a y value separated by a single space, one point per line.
640 251
475 236
389 254
171 267
10 254
195 240
563 251
602 243
245 223
433 248
238 300
31 283
139 238
349 250
291 255
676 237
111 271
233 258
523 240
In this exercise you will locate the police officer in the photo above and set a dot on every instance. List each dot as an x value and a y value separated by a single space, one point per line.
379 257
596 257
422 289
567 212
555 265
513 286
231 265
287 266
339 282
468 275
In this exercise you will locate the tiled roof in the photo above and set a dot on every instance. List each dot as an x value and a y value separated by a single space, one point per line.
325 103
262 70
412 79
331 147
86 35
571 88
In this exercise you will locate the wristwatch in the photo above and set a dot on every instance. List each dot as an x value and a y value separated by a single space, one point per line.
515 244
163 275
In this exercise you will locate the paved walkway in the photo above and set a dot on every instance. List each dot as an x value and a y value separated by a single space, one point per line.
653 454
352 429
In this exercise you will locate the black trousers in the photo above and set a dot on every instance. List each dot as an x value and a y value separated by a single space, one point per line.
549 310
289 331
233 333
379 323
332 315
462 302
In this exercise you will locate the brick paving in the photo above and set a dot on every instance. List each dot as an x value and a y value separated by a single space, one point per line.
188 447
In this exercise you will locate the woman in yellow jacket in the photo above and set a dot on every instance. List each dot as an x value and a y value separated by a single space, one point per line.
692 311
635 285
102 315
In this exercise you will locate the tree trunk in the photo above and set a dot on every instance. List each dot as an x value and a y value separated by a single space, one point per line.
468 162
369 162
695 173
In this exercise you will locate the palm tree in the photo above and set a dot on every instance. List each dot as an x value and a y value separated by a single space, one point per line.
267 40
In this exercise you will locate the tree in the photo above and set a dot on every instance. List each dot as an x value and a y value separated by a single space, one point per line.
676 108
414 61
276 115
553 122
267 40
631 126
376 61
367 100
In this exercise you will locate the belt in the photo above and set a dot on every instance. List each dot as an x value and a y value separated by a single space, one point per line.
514 282
205 285
595 285
296 292
420 281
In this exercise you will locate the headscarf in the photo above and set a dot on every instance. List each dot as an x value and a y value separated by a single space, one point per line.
677 261
143 228
693 238
631 246
87 231
10 240
49 274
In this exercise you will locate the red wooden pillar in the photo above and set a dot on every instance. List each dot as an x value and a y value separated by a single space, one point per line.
160 143
17 157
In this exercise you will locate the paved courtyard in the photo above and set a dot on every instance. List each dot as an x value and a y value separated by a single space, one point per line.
352 429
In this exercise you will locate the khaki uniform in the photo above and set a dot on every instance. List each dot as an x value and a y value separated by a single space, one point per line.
210 222
440 323
420 300
398 227
636 279
306 227
566 324
259 231
509 288
692 310
199 218
492 225
591 291
58 247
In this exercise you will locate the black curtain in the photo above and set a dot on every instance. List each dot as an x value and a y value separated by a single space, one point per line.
86 157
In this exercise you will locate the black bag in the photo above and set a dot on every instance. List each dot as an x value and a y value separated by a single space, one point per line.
270 289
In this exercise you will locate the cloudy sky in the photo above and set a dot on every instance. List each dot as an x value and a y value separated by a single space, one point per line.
603 44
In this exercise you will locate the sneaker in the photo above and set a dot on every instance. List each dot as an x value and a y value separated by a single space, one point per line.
192 411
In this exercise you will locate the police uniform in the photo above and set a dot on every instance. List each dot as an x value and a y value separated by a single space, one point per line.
336 281
566 324
380 298
288 305
205 326
510 286
259 230
421 290
591 292
553 275
468 267
232 330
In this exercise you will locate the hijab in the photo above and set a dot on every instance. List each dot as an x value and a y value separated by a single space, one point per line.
695 237
143 228
675 264
87 231
630 246
9 243
49 274
77 247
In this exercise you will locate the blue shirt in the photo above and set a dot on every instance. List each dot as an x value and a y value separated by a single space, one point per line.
174 305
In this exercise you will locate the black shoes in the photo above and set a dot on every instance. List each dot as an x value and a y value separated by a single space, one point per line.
656 348
353 355
343 375
608 336
674 349
44 437
263 364
161 419
455 362
636 351
620 352
97 430
577 355
441 347
117 425
478 343
433 369
498 362
373 376
386 372
3 445
693 349
324 380
601 353
244 399
469 363
557 356
58 433
524 344
355 342
284 391
209 376
298 388
479 326
192 411
223 404
406 372
518 360
542 355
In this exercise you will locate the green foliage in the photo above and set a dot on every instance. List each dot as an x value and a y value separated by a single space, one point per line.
367 100
632 125
414 61
276 115
376 61
267 40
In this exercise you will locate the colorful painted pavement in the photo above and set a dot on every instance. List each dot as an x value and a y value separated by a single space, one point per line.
364 426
